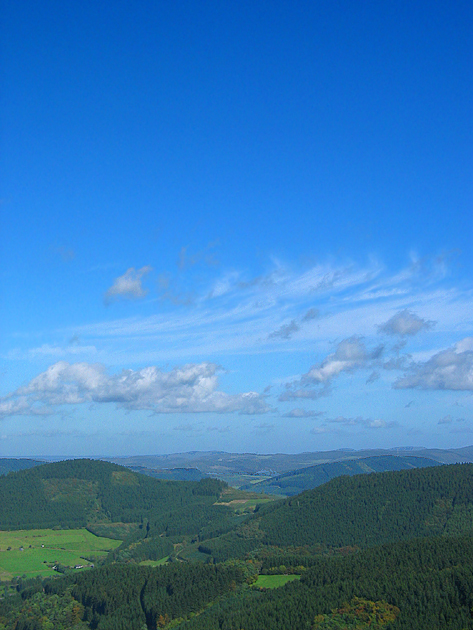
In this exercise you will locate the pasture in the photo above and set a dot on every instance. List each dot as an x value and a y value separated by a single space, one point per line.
31 551
273 581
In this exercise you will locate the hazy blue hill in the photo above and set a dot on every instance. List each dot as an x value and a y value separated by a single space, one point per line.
297 481
220 463
172 474
13 465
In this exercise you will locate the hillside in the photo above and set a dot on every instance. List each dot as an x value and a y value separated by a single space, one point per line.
361 511
149 515
172 474
297 481
74 493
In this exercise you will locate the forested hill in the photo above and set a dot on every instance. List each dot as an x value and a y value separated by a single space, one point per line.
78 492
13 465
364 510
297 481
387 551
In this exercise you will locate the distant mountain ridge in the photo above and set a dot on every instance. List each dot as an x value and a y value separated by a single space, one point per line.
220 462
10 464
294 482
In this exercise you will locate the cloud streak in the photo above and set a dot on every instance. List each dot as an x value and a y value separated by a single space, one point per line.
262 314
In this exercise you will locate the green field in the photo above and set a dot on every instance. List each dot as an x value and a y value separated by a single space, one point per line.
43 547
273 581
243 501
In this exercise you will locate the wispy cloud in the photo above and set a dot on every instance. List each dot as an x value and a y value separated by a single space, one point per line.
351 354
302 413
129 286
206 255
369 423
445 420
285 331
264 313
66 253
405 323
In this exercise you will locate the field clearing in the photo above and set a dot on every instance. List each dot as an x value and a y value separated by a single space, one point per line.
241 501
47 546
273 581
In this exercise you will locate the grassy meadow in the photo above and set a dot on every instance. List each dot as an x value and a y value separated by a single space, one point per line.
273 581
43 547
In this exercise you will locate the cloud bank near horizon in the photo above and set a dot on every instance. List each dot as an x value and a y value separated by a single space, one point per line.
192 388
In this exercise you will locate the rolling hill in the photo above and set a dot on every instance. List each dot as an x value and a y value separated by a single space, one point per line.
381 551
297 481
361 511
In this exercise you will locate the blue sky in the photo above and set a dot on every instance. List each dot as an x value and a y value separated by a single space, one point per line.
235 226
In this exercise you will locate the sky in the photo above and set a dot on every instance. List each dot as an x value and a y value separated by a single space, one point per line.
239 226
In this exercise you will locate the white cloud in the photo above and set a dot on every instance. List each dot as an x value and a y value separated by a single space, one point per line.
58 351
190 388
20 406
379 424
129 285
350 354
448 369
405 323
319 430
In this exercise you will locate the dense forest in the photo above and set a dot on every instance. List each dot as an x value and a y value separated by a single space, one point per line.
360 511
387 550
79 492
413 585
417 585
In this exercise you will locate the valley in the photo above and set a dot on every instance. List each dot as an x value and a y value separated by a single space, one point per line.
374 549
